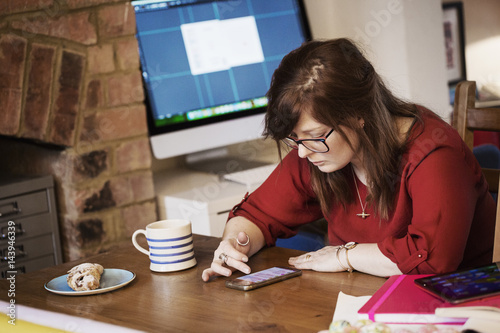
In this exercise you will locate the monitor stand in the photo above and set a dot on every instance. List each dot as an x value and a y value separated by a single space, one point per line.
219 162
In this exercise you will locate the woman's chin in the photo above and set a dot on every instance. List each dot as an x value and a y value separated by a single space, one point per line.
326 168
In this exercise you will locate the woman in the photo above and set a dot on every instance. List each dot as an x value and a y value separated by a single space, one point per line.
401 192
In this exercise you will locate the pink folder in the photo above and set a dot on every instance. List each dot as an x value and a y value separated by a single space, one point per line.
400 301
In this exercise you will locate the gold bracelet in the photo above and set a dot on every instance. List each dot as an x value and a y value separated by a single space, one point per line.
350 269
349 246
338 258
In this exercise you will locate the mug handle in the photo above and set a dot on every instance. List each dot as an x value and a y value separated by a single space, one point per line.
134 241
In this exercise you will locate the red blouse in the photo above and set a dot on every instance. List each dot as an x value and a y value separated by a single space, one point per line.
444 217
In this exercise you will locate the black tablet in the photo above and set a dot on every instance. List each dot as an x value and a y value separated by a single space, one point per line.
464 285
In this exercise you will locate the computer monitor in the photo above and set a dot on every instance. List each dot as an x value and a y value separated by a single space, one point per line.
207 66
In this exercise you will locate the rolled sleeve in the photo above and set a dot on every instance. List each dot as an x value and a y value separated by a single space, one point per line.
443 194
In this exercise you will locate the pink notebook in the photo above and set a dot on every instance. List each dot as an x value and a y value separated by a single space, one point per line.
400 301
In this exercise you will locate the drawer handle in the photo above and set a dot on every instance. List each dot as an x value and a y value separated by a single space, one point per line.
21 269
18 231
14 210
18 253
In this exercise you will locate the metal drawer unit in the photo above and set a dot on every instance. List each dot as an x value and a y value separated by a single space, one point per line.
29 232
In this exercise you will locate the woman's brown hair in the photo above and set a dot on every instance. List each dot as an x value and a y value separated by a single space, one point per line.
338 86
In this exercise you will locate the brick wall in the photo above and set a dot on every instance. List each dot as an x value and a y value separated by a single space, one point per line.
71 105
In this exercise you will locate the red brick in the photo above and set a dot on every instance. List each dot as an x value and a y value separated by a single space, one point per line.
19 6
133 155
142 186
10 99
75 27
125 89
90 132
70 77
122 191
12 58
63 130
36 109
127 54
71 72
67 100
101 59
95 94
114 124
80 29
67 97
118 20
138 216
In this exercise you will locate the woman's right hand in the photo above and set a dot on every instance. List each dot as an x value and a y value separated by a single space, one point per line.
231 255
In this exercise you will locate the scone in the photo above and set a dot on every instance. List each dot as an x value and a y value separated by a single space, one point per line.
85 277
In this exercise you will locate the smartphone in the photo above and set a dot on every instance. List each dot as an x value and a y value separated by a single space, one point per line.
464 285
263 278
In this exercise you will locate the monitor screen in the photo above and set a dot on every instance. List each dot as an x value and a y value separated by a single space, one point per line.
207 62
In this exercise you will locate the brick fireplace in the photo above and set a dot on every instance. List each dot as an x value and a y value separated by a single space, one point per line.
71 105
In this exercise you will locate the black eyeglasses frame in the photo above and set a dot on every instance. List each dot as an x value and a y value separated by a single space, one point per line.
298 142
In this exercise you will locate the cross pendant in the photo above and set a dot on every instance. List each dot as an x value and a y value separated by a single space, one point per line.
363 215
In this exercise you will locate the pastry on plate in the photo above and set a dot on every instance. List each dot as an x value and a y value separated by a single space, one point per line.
85 276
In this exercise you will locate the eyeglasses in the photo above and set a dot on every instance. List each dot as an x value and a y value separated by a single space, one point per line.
317 145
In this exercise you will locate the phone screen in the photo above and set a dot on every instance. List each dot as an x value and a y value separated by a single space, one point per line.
464 285
263 278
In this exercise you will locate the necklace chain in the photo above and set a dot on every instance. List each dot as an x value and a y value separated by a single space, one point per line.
363 215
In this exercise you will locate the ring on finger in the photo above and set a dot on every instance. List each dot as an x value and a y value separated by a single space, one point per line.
223 257
308 257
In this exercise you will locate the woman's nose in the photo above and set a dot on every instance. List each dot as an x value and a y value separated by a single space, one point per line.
303 151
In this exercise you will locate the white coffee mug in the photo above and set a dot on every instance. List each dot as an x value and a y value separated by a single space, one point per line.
170 245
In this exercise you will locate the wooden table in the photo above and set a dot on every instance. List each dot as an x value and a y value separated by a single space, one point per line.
182 302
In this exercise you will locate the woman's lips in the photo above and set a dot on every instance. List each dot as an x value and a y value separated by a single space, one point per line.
317 163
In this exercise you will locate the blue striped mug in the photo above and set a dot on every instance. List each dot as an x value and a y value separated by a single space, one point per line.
170 245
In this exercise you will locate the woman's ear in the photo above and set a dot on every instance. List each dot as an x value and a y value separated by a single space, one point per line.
361 122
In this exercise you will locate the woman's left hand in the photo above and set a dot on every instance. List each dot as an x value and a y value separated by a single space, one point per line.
323 260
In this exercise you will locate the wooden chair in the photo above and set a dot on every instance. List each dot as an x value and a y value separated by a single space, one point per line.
467 119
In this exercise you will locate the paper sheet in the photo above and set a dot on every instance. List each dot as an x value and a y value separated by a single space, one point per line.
347 307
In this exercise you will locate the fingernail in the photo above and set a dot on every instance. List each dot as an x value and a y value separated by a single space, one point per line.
244 259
